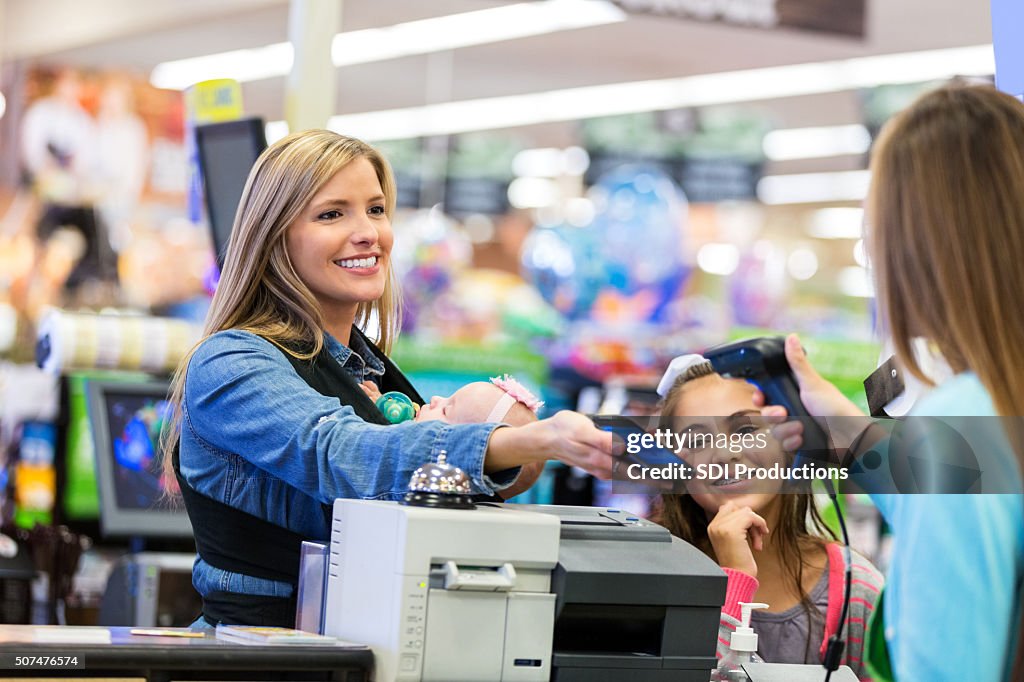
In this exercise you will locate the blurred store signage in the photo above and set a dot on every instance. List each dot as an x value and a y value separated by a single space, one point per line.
703 180
468 196
713 154
845 17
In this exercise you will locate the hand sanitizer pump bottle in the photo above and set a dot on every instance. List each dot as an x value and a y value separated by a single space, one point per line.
742 649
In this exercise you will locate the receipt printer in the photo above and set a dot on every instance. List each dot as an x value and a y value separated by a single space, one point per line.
444 594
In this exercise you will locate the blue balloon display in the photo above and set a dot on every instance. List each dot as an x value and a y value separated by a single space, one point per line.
631 252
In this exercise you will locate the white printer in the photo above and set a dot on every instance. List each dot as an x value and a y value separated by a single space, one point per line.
485 574
444 590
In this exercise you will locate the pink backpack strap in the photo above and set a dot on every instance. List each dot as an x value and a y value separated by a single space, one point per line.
836 578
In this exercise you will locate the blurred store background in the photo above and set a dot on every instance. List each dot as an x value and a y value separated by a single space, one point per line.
586 189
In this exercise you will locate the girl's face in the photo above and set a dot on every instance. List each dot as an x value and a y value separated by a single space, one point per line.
730 410
340 244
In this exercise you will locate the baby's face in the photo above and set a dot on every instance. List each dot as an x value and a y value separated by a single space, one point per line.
471 404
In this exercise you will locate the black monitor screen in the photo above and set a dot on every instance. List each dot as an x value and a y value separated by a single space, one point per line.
227 152
126 421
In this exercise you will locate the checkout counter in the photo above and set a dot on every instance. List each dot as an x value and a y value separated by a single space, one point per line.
445 590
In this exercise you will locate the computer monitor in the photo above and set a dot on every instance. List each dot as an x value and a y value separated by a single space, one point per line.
227 152
126 420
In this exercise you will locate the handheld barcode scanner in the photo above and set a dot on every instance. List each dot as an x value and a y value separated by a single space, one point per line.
762 362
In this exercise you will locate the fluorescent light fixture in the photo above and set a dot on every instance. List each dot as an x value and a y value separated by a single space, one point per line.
855 281
813 143
240 65
448 32
3 104
718 259
532 192
479 27
550 162
544 162
802 264
837 223
655 95
809 188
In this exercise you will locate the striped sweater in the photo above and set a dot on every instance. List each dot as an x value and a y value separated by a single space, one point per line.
864 593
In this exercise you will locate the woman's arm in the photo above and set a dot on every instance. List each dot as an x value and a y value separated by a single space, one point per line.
567 436
243 397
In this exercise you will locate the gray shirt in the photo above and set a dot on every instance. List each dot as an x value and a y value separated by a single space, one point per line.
780 636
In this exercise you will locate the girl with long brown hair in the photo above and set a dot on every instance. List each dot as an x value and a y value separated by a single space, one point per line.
945 235
767 537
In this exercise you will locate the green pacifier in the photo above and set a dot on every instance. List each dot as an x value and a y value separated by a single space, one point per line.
396 407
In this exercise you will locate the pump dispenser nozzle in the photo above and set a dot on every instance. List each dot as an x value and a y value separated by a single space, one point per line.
744 638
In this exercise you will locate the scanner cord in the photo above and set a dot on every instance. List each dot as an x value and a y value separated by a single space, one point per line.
836 644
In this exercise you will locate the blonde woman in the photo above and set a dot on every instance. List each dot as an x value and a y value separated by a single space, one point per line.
271 421
945 218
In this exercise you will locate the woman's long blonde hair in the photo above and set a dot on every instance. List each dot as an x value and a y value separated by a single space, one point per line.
259 290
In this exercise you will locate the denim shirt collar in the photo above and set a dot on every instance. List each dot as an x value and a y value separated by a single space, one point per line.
356 358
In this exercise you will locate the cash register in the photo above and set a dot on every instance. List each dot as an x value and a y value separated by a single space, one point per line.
444 589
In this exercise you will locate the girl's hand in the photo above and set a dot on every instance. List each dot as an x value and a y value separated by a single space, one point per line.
733 532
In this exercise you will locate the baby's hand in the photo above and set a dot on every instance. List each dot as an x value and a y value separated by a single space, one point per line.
732 533
371 390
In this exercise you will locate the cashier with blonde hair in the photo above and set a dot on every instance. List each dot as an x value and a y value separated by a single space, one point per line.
271 423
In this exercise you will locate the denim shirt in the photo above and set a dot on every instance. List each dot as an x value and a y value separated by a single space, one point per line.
254 435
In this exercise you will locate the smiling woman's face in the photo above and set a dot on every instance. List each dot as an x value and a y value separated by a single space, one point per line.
713 405
340 244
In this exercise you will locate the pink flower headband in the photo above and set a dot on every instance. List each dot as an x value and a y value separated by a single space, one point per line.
515 392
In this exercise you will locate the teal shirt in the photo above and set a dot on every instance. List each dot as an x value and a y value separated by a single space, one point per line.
951 589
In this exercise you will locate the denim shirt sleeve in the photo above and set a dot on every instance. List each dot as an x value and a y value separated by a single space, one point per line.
242 396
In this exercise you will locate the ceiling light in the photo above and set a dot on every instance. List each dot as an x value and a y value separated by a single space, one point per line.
3 105
240 65
812 143
532 192
718 259
448 32
837 223
479 27
541 163
807 188
655 95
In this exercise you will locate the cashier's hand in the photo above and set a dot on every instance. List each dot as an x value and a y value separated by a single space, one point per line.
733 533
371 390
841 419
569 437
